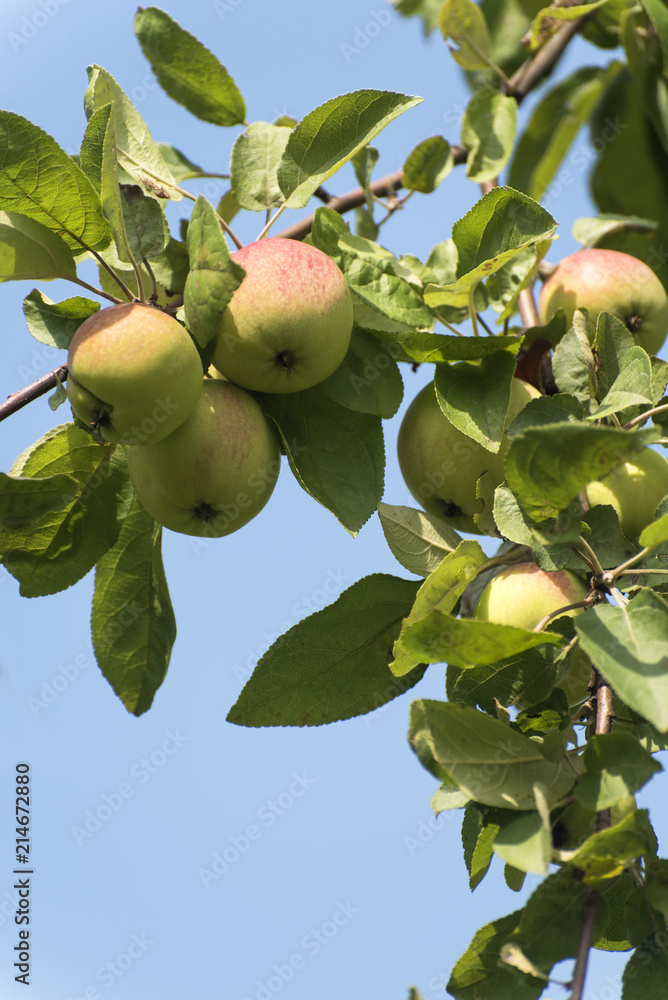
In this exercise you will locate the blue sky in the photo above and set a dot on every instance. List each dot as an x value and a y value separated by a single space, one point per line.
231 862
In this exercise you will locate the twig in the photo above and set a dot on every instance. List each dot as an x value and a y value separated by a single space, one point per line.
33 391
604 718
537 67
641 418
528 311
584 945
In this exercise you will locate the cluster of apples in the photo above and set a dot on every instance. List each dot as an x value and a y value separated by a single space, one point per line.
203 458
441 465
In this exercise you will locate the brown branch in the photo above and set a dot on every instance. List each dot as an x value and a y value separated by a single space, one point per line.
33 391
353 199
539 66
584 945
603 696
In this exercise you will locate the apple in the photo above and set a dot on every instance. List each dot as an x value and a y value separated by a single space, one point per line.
289 323
634 489
611 281
522 595
441 465
216 471
134 374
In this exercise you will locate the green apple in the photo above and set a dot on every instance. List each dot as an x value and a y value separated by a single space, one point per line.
134 374
289 323
610 281
441 465
216 471
522 595
634 489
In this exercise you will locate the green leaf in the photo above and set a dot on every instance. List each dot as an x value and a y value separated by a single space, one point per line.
138 155
616 897
475 397
552 129
427 165
512 955
477 840
547 467
632 386
513 878
330 135
492 763
646 972
39 180
488 132
526 678
213 277
549 928
181 167
417 540
655 533
26 499
548 20
526 843
433 348
497 228
145 223
440 591
368 379
324 441
606 854
187 70
373 273
466 642
479 972
656 884
448 797
92 151
616 767
30 250
659 18
256 155
464 23
55 323
629 646
64 544
102 151
333 664
132 620
573 363
591 230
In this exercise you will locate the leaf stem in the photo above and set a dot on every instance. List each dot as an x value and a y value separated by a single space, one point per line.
232 235
97 291
644 416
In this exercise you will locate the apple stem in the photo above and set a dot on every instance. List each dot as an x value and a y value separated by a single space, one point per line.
119 281
271 221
